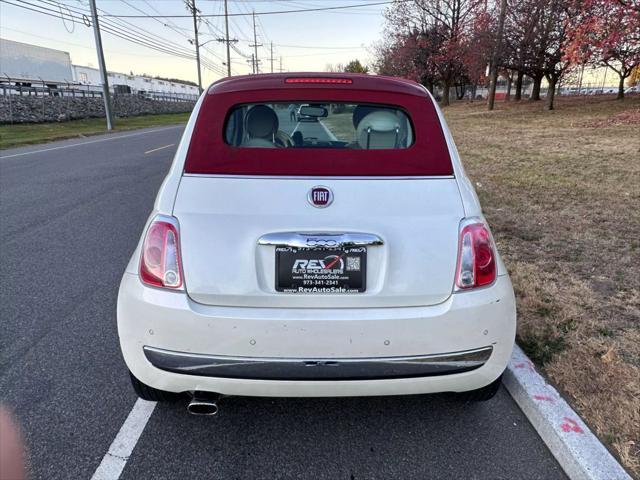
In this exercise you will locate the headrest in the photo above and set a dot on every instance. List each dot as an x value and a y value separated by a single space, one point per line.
261 122
379 129
360 112
298 139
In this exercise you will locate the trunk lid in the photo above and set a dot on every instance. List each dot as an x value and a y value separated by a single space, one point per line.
222 220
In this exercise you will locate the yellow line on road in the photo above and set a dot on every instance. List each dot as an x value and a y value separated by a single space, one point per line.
159 148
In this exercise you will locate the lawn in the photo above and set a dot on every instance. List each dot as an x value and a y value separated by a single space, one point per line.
561 191
30 133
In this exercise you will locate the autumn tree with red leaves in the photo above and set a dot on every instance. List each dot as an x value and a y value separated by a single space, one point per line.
606 32
435 38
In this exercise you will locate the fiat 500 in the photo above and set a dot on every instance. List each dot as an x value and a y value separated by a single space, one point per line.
346 256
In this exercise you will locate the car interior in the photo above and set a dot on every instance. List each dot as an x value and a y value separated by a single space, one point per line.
302 126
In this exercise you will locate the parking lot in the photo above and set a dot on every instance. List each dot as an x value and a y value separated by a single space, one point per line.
71 213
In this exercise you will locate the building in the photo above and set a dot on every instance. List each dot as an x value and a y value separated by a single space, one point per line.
25 64
138 83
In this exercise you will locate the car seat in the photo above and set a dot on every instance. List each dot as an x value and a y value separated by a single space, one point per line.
261 126
379 129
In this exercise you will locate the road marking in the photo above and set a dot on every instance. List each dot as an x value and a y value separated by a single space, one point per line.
115 459
332 137
159 148
90 141
294 128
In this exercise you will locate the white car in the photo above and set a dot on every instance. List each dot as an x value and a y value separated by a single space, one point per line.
348 257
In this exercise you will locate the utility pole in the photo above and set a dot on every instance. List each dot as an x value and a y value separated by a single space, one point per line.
101 64
496 55
192 6
280 69
256 68
253 63
226 39
271 57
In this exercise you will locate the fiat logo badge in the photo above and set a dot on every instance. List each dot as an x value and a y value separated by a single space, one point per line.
320 196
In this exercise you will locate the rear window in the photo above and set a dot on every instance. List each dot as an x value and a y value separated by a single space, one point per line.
309 124
302 131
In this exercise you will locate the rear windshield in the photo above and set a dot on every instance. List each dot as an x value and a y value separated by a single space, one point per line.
299 132
318 125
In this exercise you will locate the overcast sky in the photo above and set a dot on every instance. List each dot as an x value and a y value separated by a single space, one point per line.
305 41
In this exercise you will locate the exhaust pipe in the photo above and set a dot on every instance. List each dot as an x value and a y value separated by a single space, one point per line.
203 404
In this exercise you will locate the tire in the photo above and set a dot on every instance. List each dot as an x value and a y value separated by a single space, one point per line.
482 394
146 392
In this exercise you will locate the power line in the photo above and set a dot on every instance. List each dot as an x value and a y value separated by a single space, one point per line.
273 12
120 30
150 38
111 29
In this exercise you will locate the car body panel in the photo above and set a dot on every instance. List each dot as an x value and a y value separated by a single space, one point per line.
221 220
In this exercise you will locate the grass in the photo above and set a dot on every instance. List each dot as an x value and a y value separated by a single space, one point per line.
29 133
561 191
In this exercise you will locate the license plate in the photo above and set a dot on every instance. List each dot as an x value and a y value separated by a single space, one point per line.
304 270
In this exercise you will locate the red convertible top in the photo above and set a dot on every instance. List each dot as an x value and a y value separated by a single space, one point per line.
209 153
357 81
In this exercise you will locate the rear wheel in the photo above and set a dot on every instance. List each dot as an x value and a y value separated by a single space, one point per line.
146 392
482 394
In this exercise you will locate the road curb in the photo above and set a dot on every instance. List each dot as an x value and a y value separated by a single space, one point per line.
572 443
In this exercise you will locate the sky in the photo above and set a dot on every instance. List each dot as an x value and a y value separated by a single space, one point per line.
305 41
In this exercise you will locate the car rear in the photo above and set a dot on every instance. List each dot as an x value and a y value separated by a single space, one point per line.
345 256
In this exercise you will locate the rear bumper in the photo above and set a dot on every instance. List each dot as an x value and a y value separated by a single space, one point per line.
172 343
256 368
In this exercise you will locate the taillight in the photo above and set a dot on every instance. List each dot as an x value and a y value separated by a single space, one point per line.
160 262
476 257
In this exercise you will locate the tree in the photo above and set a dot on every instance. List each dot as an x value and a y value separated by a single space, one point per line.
497 50
520 29
555 62
607 32
354 66
435 37
411 55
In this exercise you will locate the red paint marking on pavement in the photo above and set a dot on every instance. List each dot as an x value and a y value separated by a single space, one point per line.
526 364
571 426
546 398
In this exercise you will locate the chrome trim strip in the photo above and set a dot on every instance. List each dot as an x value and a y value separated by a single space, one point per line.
317 368
316 178
319 239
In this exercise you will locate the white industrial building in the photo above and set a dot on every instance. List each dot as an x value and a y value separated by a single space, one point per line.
22 63
137 83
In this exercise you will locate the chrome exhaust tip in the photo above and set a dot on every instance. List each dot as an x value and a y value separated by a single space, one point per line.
203 404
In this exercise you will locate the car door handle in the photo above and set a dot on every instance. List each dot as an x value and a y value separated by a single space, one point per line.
319 239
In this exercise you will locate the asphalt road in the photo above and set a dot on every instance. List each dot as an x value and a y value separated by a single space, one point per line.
71 213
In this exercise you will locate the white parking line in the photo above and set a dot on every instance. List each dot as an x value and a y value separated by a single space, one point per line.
294 128
332 137
159 148
90 141
115 459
